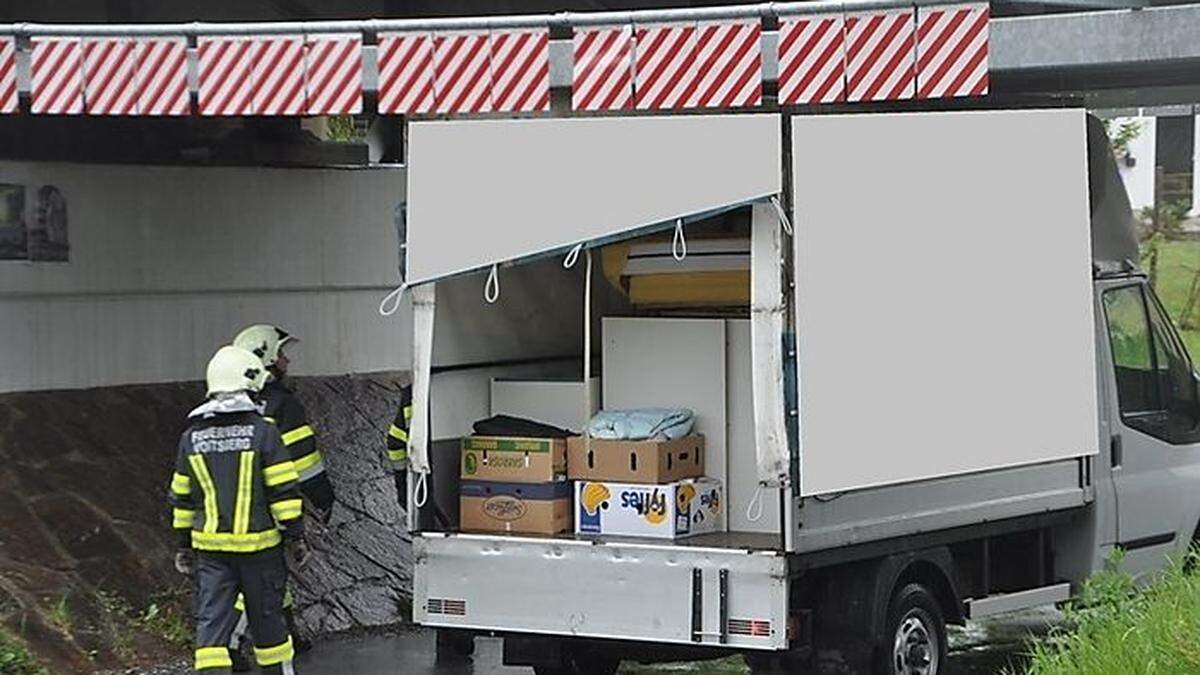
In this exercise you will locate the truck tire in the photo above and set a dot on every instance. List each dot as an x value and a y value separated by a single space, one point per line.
586 662
454 646
914 634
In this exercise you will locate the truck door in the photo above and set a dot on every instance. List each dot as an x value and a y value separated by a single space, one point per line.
1155 444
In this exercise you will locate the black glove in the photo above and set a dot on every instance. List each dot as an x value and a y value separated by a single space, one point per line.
298 553
185 561
402 488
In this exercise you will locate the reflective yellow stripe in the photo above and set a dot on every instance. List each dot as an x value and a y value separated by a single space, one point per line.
308 461
407 414
182 519
269 656
211 517
269 419
236 543
181 484
298 434
282 472
287 509
398 434
240 603
213 657
400 455
241 509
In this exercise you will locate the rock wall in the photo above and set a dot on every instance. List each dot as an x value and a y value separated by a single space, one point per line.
85 542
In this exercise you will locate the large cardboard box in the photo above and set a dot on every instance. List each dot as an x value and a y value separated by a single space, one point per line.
515 460
636 461
681 509
519 508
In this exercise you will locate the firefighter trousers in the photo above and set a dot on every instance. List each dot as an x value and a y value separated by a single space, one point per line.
260 577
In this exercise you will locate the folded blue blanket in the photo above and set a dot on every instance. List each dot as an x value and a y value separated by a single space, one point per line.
642 423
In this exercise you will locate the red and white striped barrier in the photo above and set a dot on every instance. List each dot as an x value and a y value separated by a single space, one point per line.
8 76
881 55
664 66
812 59
462 72
520 70
226 75
952 51
277 77
333 72
56 76
728 64
109 68
405 73
603 77
162 86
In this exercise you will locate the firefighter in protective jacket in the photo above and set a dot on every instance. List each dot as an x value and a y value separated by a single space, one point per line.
236 500
397 445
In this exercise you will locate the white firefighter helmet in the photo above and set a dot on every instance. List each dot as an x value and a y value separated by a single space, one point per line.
264 341
233 369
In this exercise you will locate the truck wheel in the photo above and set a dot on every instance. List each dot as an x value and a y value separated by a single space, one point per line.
915 634
454 645
581 663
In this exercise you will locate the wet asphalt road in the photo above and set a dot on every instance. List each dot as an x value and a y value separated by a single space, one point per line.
982 648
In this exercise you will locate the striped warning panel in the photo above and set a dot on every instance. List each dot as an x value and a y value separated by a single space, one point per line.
225 75
812 59
462 72
952 51
56 76
162 86
8 75
728 64
603 77
109 68
881 55
405 73
520 70
664 65
333 73
277 75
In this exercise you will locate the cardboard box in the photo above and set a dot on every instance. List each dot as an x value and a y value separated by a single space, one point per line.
557 402
682 509
517 508
515 460
636 461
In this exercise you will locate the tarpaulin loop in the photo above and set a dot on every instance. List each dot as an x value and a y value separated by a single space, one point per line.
573 256
754 510
783 219
391 302
679 243
491 290
421 490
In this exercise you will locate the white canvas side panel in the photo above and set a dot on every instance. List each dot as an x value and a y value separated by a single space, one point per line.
944 295
491 191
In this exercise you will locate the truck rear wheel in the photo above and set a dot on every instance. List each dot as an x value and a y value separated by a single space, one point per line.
915 634
582 662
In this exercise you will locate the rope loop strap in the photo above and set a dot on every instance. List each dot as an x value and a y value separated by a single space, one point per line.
391 301
491 290
572 257
783 219
679 243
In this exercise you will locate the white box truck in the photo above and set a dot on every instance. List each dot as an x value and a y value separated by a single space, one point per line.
950 392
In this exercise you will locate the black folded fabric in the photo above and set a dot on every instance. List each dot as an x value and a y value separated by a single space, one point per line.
507 425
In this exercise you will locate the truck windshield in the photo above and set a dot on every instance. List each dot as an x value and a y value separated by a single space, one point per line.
1156 385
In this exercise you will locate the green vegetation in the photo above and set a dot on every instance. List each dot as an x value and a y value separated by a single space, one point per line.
1178 286
60 614
15 658
168 619
1112 627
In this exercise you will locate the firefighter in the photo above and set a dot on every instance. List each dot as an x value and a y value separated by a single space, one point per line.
235 500
397 445
282 406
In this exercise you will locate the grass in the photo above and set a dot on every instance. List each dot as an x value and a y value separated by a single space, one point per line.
1177 265
15 658
1112 628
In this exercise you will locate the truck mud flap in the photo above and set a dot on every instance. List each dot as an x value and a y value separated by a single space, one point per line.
627 591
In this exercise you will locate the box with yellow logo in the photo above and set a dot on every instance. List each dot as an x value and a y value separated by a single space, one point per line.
517 508
512 459
671 511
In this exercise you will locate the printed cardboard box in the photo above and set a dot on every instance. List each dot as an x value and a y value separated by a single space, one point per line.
515 460
649 461
682 509
516 508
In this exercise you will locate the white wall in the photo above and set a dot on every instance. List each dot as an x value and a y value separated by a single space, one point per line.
1139 179
167 263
